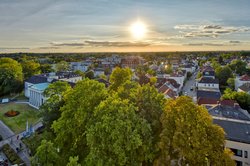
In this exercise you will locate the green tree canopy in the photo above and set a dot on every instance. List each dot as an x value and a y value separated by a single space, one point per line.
54 94
189 136
11 76
73 161
77 115
238 66
30 68
119 76
46 154
223 74
46 68
62 66
118 136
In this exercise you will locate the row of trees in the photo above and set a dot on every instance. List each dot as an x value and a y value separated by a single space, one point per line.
126 124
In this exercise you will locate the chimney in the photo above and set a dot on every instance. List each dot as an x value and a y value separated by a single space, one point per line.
236 105
219 103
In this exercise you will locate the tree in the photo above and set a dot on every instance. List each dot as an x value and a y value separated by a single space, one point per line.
11 76
73 161
30 68
238 66
90 74
55 100
62 66
77 115
119 76
46 68
199 75
80 73
118 136
241 97
231 83
223 74
46 154
189 137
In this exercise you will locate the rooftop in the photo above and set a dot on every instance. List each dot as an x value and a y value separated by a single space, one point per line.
41 86
208 94
245 78
235 130
232 112
209 80
245 87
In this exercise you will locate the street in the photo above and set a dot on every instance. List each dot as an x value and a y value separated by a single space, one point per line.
189 88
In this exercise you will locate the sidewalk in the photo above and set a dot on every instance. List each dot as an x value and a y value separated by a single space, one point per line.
14 140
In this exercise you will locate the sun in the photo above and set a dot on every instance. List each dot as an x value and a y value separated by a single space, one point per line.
138 30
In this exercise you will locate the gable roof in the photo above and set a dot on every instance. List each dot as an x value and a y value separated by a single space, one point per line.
245 87
245 78
173 82
207 101
209 80
208 94
37 79
207 68
170 93
235 131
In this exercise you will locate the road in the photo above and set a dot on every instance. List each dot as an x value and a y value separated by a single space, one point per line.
14 140
190 84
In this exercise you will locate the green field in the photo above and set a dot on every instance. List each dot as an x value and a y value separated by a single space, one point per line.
18 123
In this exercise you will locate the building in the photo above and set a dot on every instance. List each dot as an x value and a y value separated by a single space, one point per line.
131 61
168 92
236 124
208 83
35 85
239 81
205 97
244 88
82 66
208 71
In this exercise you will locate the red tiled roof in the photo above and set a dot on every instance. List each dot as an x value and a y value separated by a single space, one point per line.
172 94
173 82
228 102
207 68
245 78
202 101
163 88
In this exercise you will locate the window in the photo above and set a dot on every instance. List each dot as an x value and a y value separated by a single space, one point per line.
237 152
238 163
246 154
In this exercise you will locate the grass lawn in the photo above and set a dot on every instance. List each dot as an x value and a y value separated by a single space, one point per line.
18 123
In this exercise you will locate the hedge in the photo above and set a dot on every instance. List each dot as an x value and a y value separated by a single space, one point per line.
11 155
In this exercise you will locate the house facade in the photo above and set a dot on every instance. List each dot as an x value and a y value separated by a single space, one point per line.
35 85
239 81
208 83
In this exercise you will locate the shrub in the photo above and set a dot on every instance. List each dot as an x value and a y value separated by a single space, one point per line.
11 154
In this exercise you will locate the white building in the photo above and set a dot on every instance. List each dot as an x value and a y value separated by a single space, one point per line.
36 98
239 81
208 83
35 85
82 66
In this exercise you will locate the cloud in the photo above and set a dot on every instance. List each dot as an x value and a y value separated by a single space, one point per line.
14 48
234 41
59 44
208 31
92 43
216 43
48 47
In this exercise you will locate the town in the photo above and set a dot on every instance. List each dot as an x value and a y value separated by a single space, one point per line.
219 82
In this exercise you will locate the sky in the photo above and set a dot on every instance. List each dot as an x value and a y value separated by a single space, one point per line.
104 25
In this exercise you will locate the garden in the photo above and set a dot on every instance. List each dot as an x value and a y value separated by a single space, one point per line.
16 115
